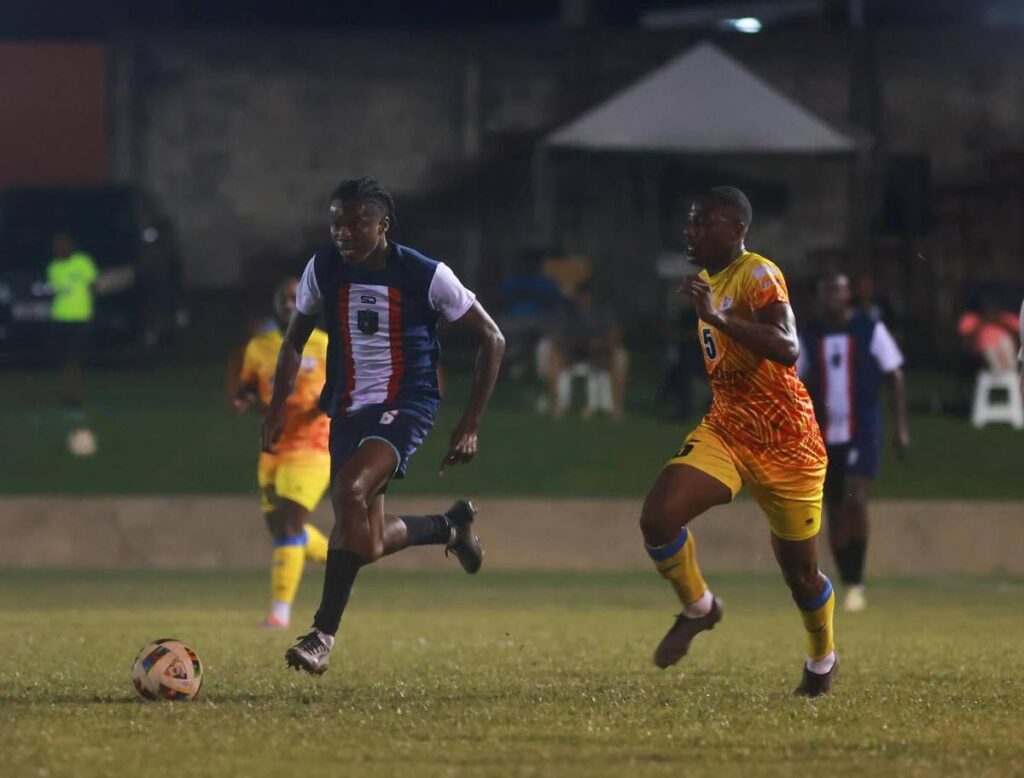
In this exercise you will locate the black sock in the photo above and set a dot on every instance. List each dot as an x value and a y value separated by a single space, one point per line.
427 530
342 567
858 550
850 561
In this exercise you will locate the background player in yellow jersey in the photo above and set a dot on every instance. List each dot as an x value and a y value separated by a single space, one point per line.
760 432
295 476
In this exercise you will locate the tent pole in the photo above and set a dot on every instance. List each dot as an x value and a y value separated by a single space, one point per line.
543 184
864 102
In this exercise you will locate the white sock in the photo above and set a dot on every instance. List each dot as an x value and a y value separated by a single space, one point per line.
327 639
700 608
282 611
821 666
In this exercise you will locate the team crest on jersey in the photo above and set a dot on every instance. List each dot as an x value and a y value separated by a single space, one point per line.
368 322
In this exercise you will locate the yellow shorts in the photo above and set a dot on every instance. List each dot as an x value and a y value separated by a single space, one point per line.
789 492
301 477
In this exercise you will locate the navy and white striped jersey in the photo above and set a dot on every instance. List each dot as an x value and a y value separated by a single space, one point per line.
843 369
382 326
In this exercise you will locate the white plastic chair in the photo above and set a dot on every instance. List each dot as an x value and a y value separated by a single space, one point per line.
986 409
599 387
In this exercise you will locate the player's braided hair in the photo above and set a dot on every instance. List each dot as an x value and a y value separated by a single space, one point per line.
733 197
366 189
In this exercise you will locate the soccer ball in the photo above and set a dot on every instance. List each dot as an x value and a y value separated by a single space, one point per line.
82 442
167 669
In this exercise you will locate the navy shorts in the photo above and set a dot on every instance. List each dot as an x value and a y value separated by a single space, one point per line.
401 428
858 458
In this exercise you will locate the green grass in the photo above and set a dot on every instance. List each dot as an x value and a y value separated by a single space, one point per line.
507 674
167 431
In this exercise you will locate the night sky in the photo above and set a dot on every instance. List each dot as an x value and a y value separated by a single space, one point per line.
95 18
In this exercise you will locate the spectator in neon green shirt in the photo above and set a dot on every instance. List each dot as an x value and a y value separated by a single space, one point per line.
71 276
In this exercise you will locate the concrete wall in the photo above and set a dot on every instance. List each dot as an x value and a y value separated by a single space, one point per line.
241 135
908 537
54 120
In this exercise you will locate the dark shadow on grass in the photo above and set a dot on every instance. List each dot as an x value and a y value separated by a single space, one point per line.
69 699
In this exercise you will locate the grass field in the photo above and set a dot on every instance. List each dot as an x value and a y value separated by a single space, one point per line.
167 431
507 674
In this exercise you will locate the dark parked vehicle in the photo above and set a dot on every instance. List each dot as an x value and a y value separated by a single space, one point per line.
135 253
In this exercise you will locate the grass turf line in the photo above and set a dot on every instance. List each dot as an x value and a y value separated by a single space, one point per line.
507 674
167 431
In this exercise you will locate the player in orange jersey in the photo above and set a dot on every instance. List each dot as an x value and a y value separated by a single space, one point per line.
760 432
295 476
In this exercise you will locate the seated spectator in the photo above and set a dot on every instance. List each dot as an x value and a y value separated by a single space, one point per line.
990 335
529 303
585 342
683 364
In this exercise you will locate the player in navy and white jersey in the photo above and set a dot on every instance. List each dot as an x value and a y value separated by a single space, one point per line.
1020 354
381 303
845 358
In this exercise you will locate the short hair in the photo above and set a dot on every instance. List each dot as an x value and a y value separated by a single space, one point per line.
732 197
366 190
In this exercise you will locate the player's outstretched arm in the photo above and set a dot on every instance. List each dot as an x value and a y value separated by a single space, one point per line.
898 397
771 335
288 362
1021 353
463 443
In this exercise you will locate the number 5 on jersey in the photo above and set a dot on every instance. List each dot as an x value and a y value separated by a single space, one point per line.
710 349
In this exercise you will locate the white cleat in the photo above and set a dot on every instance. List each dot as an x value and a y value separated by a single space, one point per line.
855 600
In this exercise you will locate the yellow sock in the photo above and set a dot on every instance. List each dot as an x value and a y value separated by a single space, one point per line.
677 563
286 572
316 544
817 616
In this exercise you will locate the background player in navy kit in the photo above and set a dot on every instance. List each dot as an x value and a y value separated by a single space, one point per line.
846 355
381 302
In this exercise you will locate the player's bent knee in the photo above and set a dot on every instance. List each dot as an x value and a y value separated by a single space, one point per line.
348 492
657 523
804 581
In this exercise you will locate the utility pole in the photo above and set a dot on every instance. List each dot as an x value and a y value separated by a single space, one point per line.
864 103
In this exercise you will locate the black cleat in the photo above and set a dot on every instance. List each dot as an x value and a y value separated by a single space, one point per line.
816 684
310 654
676 642
463 543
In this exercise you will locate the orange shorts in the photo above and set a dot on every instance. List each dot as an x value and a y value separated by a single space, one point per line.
788 488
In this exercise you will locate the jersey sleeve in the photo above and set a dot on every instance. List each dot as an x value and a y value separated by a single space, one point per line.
766 286
884 349
308 299
447 295
89 269
248 373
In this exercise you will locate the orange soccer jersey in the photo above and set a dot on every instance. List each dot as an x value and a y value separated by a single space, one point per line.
307 429
758 404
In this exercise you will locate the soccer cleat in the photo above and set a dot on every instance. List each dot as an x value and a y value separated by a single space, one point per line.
272 622
855 600
463 543
310 654
816 684
676 642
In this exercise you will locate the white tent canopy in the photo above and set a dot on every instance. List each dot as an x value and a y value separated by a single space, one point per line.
701 102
